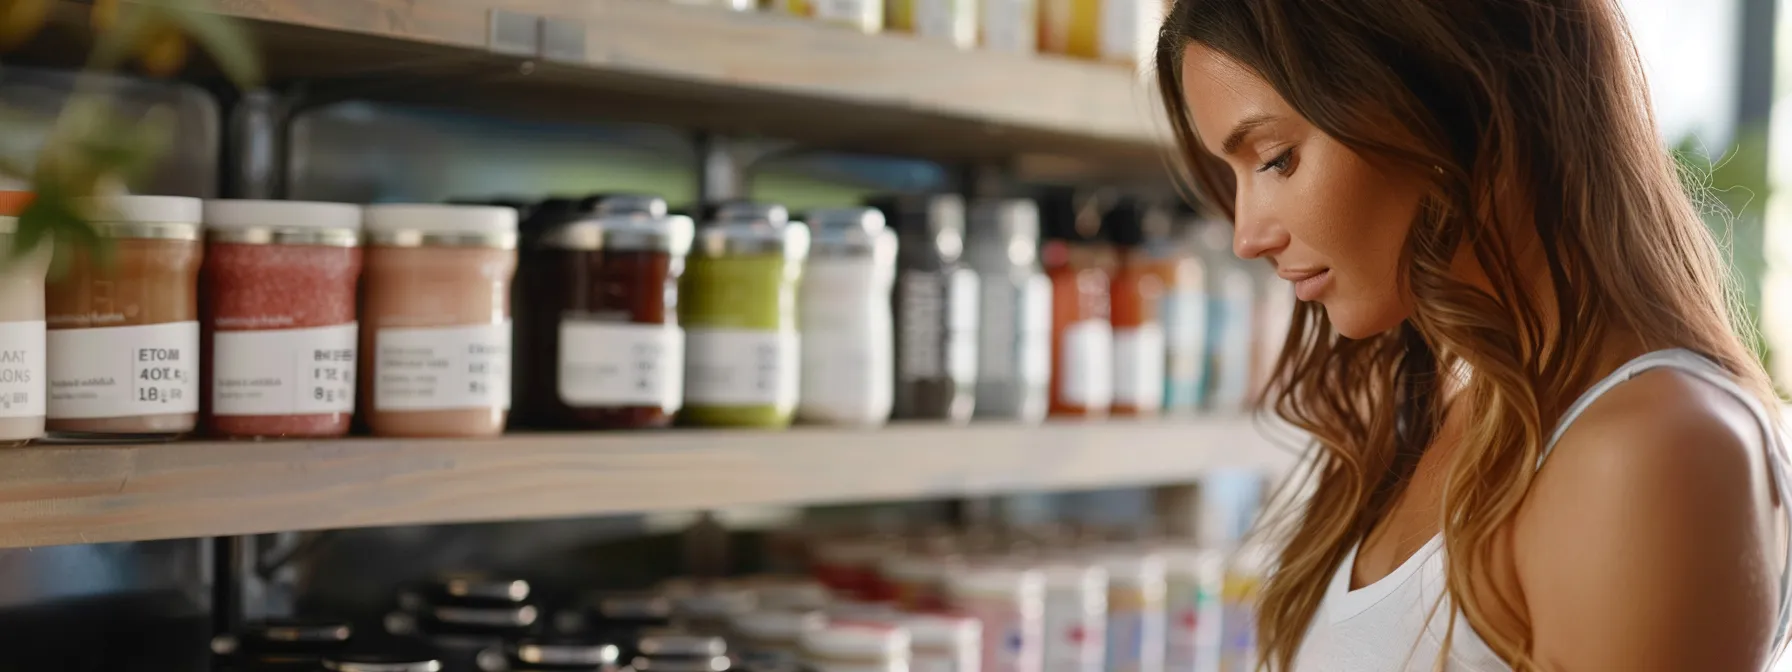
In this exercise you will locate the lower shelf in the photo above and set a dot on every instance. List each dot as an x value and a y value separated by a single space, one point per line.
55 494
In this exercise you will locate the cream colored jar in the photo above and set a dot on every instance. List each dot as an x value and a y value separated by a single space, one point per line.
435 314
124 331
22 376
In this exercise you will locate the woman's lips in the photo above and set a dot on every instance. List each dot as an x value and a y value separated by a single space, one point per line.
1308 285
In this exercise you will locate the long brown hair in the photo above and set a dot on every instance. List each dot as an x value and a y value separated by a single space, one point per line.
1531 121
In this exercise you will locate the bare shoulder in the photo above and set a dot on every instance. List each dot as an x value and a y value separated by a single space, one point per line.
1654 510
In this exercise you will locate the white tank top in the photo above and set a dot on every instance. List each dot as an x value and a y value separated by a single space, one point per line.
1397 624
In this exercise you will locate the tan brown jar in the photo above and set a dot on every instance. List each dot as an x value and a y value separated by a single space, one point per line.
435 333
22 383
124 330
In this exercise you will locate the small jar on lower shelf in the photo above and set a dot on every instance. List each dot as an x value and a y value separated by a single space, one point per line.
22 386
279 317
124 336
436 320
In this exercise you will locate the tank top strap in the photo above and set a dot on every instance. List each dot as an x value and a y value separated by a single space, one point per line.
1692 363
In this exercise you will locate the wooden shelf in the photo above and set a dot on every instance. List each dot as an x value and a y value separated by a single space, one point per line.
705 68
52 494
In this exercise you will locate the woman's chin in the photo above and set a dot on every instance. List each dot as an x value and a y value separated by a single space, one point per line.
1355 323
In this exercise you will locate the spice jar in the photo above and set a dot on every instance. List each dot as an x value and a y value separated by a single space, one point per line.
768 640
1076 612
124 336
856 647
1015 317
278 302
936 309
944 643
1135 612
599 325
1082 336
738 307
844 308
437 309
1011 605
22 353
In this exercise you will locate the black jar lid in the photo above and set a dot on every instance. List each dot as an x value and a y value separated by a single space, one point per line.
388 655
669 643
564 651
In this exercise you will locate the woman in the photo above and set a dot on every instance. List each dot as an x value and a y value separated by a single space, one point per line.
1541 445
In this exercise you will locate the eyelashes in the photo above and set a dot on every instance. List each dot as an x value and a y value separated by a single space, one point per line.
1280 164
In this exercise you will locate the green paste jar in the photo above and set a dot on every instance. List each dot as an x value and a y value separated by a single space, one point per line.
737 302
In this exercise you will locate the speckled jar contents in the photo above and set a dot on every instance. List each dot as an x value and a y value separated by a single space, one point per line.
22 381
124 332
279 317
436 319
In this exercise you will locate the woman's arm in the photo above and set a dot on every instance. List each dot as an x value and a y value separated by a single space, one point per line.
1649 540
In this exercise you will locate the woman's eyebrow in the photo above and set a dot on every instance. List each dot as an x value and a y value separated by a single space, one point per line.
1243 129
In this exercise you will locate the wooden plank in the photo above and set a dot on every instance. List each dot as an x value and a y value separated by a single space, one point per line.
740 73
87 494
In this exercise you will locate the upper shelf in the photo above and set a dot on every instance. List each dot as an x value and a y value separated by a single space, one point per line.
706 68
51 494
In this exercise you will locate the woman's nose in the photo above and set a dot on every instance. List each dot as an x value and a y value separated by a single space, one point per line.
1254 235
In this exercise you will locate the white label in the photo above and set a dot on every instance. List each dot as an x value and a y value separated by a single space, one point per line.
442 368
284 371
741 367
961 327
1139 366
22 369
844 307
1086 377
621 364
1009 26
1036 334
118 372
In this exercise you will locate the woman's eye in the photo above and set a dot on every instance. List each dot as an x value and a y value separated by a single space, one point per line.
1280 164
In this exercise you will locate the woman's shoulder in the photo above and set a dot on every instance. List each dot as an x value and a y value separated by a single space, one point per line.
1656 500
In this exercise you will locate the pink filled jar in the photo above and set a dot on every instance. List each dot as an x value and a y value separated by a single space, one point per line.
278 311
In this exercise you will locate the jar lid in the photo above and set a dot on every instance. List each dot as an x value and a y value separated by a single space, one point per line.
1001 582
624 232
1005 219
565 651
747 228
918 568
778 625
520 616
676 664
1133 569
849 232
13 203
855 641
932 223
151 217
679 643
647 205
791 594
943 631
406 660
404 225
283 222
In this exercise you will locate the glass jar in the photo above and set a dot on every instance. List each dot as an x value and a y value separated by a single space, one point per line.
1136 637
738 306
944 643
856 647
1137 292
436 303
23 386
935 307
282 645
1010 603
767 641
279 317
600 332
1076 612
1082 336
124 336
844 308
1015 325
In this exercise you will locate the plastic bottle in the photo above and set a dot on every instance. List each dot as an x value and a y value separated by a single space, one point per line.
1137 292
1082 337
1014 369
936 305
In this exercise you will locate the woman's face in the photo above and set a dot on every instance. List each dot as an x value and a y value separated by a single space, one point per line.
1329 221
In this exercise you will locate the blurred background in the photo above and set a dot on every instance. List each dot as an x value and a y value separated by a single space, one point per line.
1033 452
